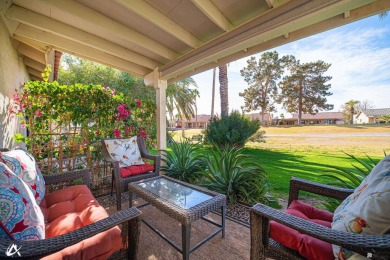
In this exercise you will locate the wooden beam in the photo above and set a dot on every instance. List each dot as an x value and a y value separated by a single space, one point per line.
74 47
160 20
34 64
275 3
34 72
291 16
33 77
214 14
32 53
45 23
109 26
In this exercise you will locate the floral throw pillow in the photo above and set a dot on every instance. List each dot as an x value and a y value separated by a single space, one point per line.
23 165
125 151
366 210
20 216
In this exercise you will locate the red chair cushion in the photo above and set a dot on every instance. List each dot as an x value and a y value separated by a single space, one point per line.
73 208
307 246
136 169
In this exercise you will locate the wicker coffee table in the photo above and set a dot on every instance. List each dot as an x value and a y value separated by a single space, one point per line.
183 202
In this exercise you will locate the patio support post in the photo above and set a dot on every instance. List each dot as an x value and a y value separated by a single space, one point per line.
160 85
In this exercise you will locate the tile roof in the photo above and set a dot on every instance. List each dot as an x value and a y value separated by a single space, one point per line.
321 116
376 111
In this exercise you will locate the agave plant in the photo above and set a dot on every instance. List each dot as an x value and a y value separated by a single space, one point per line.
238 176
351 178
183 162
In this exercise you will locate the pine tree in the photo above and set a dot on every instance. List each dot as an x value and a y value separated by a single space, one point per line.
305 90
261 77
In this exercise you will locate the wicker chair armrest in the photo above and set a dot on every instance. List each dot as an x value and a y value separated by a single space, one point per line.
85 174
362 244
35 249
297 185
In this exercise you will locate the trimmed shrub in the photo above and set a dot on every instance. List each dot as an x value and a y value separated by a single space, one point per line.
233 130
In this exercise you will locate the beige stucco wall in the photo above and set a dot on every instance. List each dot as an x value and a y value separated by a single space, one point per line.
12 75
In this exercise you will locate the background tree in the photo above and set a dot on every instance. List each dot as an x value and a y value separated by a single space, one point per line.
78 70
365 104
182 99
261 77
349 110
385 118
305 90
223 90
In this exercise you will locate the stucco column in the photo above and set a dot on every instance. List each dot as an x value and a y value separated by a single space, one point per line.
153 78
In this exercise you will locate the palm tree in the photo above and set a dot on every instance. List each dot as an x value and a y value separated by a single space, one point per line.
195 93
223 90
349 109
181 98
213 94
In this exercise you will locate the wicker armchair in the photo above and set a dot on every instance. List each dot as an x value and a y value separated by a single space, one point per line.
262 246
35 249
121 183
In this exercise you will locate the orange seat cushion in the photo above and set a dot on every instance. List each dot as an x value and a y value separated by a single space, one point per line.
73 208
307 246
136 169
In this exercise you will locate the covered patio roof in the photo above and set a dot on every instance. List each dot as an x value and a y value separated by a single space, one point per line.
168 40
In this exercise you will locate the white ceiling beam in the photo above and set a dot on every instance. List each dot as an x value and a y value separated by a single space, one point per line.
33 77
25 31
275 3
34 72
45 23
103 23
214 14
286 18
160 20
32 53
34 64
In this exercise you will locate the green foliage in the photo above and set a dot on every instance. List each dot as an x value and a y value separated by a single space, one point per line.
350 178
385 118
239 176
183 162
98 112
233 130
182 99
349 109
75 70
305 90
258 137
261 77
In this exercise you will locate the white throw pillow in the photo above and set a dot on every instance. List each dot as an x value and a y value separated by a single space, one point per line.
125 151
367 209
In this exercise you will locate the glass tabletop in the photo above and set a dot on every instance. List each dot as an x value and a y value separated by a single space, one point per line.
175 193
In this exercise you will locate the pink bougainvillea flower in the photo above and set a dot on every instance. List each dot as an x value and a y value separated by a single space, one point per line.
123 112
117 133
97 133
38 113
16 97
143 134
138 102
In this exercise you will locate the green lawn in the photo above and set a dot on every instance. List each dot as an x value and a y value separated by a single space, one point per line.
297 155
282 165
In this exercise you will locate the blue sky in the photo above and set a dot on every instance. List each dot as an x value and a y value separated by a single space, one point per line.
359 53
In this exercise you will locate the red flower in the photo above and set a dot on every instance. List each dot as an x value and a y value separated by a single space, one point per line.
16 97
97 133
143 134
117 133
38 113
138 102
